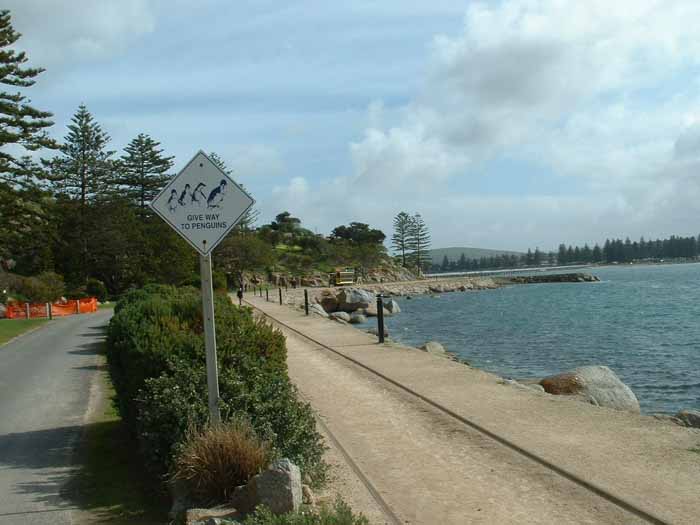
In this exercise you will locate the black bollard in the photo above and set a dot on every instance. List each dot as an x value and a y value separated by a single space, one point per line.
280 291
380 318
240 296
306 301
267 294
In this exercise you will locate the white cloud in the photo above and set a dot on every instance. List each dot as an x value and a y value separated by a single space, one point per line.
64 32
601 92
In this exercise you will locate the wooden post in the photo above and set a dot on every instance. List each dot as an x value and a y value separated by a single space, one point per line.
77 306
26 310
50 311
210 338
306 301
380 318
47 310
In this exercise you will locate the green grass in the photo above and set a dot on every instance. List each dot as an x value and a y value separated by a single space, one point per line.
111 484
696 449
10 328
106 306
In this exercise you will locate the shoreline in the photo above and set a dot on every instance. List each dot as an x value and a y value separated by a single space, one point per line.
407 289
295 296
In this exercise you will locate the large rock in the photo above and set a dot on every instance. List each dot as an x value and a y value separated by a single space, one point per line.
278 488
328 300
215 516
317 309
597 385
392 306
690 418
375 331
350 299
342 316
433 347
371 311
357 319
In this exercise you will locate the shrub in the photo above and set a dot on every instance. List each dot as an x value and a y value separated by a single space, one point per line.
214 461
96 288
45 287
339 514
156 356
218 281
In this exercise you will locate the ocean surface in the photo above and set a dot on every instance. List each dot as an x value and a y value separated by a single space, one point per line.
641 321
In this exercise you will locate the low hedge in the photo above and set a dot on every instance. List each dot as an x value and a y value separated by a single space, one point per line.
157 363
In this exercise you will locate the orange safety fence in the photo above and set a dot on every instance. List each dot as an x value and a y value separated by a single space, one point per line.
39 310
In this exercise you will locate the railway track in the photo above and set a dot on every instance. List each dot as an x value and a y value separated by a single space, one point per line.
391 517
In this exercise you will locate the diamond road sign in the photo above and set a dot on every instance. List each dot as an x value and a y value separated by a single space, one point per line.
202 203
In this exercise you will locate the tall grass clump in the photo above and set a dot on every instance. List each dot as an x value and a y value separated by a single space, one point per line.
156 356
212 462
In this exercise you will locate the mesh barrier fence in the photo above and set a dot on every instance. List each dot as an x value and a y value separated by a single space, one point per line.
59 309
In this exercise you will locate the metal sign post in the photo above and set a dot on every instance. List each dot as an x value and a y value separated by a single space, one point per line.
202 204
210 337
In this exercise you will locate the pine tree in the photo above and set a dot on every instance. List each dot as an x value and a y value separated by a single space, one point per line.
537 257
142 171
399 241
20 123
562 255
84 170
81 174
419 241
445 263
462 264
24 223
251 216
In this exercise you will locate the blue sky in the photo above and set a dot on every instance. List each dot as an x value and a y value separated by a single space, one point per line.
507 124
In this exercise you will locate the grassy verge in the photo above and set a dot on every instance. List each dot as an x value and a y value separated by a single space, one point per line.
10 328
111 485
106 306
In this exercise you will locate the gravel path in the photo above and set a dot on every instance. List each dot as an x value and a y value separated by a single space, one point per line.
430 468
45 381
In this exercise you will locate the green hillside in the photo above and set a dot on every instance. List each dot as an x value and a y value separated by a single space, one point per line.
453 254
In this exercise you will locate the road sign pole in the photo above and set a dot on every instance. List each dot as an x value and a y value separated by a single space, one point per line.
210 338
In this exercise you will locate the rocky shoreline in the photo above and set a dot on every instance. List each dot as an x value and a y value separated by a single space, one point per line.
295 296
596 385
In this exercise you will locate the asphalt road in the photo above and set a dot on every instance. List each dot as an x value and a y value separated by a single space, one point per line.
45 380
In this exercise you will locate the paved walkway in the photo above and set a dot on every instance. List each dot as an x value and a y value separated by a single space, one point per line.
45 380
431 469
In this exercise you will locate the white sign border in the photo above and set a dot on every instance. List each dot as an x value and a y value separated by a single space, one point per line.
177 230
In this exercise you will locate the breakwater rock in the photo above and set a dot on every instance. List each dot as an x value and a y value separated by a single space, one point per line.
553 278
346 303
597 385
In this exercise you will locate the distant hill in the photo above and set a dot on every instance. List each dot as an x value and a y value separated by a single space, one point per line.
453 254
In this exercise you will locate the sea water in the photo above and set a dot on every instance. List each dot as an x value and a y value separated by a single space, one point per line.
641 321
